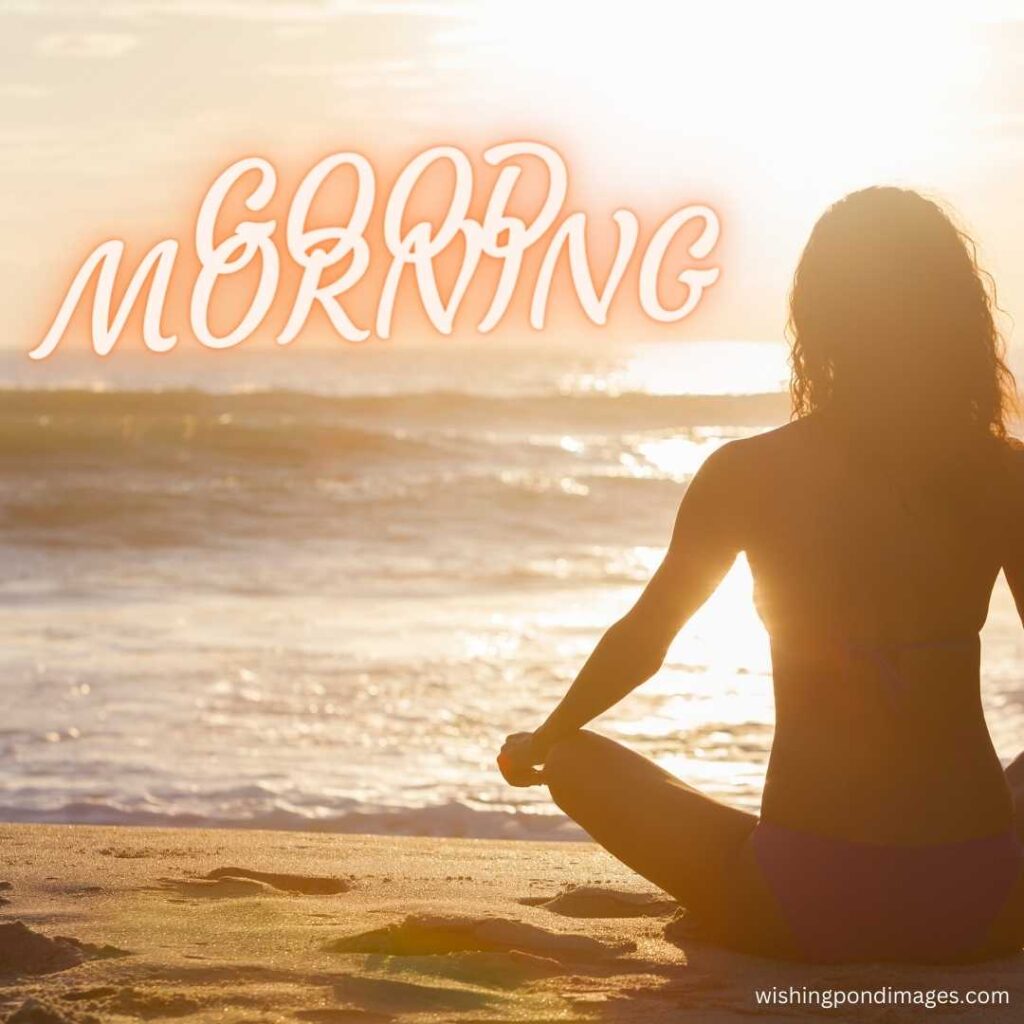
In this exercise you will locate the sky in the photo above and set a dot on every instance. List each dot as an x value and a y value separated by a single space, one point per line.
116 116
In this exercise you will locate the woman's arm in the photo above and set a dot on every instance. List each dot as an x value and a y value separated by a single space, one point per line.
705 542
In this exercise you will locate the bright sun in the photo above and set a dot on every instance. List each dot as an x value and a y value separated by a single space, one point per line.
826 95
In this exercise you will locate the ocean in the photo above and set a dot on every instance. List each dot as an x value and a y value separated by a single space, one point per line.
315 590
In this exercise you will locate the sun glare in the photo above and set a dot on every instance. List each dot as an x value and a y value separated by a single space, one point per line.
829 97
726 633
707 368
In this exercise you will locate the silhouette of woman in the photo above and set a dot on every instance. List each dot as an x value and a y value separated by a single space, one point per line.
875 524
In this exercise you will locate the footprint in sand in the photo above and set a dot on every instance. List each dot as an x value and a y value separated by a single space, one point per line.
503 969
216 889
24 951
423 935
592 901
387 996
236 883
308 885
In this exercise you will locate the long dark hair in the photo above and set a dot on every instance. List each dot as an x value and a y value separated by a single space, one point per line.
890 312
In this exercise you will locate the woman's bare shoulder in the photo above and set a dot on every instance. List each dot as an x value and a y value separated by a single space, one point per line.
751 465
788 441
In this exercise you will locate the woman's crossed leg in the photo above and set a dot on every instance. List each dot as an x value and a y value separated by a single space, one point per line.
688 844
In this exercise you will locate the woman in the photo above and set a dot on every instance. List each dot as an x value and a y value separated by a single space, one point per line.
875 525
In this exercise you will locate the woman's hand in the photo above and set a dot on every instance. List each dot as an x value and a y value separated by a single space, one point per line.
519 759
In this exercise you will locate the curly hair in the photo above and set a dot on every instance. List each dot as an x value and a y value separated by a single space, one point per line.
889 305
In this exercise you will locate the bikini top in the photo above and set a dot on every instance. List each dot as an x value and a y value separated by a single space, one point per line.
885 656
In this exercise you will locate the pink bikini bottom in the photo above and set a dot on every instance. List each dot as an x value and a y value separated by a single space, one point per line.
852 901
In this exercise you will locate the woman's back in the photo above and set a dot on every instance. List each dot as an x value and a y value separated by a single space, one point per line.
873 568
875 525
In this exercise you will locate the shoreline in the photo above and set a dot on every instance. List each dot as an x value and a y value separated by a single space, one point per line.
440 821
244 925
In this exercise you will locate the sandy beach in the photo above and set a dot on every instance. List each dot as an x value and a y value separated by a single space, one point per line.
111 924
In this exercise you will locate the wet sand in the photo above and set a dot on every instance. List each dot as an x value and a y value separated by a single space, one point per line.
117 924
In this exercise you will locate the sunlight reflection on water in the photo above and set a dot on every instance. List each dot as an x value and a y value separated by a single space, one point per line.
352 626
